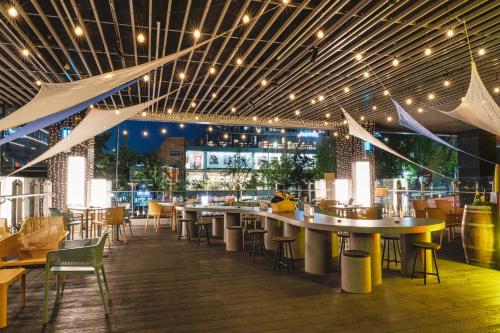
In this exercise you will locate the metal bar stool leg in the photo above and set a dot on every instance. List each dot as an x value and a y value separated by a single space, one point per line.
436 264
414 262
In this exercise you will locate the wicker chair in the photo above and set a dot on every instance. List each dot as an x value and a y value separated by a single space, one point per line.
77 257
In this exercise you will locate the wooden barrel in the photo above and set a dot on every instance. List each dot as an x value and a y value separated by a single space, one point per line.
478 235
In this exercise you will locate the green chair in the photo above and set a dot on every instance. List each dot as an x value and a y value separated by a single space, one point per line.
69 221
77 257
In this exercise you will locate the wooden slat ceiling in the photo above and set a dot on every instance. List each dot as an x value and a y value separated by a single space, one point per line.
277 45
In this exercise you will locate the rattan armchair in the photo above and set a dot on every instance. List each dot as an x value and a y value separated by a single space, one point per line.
77 257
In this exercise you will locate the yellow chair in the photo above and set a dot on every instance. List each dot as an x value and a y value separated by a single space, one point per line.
4 228
110 217
158 211
436 213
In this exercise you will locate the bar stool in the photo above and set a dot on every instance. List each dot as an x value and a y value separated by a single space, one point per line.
218 226
395 245
356 276
203 226
180 223
344 243
234 238
245 222
424 246
283 243
254 233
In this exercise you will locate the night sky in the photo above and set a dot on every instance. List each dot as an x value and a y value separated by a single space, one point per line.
145 144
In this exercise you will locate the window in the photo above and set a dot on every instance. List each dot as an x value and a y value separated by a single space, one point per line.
175 153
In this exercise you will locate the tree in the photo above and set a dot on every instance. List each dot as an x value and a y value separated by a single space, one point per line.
277 172
237 174
302 171
153 173
325 160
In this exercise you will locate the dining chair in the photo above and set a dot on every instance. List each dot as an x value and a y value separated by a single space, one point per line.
110 217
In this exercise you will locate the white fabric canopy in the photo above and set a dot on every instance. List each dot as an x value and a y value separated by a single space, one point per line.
478 107
96 122
57 97
358 131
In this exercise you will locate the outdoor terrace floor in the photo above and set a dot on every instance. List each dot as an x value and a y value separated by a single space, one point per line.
159 284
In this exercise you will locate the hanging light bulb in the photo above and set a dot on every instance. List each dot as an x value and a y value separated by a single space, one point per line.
282 131
462 99
263 82
327 115
297 112
141 38
243 136
117 112
276 119
428 51
125 132
344 122
145 133
395 62
233 109
78 31
193 104
358 56
450 33
409 101
163 131
347 136
496 90
170 110
321 98
214 95
226 136
144 113
431 96
38 82
446 83
182 75
326 123
12 11
285 2
374 107
292 96
335 134
346 89
246 18
181 125
210 129
386 92
420 110
197 118
91 106
481 52
145 78
389 119
313 101
320 34
254 118
362 118
196 34
239 61
25 52
366 74
212 70
258 130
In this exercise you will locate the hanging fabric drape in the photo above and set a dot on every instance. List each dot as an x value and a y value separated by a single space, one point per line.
406 120
358 131
478 108
56 97
96 122
47 121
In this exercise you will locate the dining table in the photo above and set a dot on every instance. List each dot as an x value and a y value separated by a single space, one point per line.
85 212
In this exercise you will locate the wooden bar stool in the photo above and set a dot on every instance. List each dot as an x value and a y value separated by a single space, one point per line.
254 233
203 225
283 243
423 247
180 223
388 239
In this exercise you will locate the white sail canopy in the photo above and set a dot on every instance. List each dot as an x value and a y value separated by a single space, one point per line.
478 108
358 131
96 122
57 97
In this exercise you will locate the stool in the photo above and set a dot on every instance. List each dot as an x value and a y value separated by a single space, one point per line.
203 226
356 273
283 243
180 223
218 226
344 242
246 220
424 246
234 238
260 234
395 245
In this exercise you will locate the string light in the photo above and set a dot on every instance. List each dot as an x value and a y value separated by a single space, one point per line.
496 90
12 11
258 130
91 106
344 122
450 33
285 2
196 34
347 136
282 131
386 92
146 78
320 34
239 61
362 118
263 82
38 82
297 112
182 75
243 136
366 74
169 111
358 56
117 112
420 110
141 38
226 136
276 119
321 98
395 62
428 51
327 115
196 118
145 133
125 132
462 99
212 70
335 134
446 83
409 101
233 109
346 89
78 31
326 123
181 125
210 129
389 119
254 118
313 101
374 107
25 52
481 52
292 96
163 131
193 104
144 113
246 18
431 96
214 95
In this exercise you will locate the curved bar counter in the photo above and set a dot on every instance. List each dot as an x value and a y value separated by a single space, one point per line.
314 234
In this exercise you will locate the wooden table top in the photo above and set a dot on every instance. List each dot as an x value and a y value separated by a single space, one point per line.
406 225
7 276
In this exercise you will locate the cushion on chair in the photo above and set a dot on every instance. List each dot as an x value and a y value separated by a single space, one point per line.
72 269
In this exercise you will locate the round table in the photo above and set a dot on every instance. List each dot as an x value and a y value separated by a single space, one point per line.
314 234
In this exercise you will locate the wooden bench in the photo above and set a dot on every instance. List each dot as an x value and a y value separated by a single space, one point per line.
8 277
29 246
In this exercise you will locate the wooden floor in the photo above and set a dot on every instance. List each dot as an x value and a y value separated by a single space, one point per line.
159 284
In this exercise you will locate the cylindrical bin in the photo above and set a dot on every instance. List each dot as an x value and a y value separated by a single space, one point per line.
218 226
234 240
356 272
478 235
